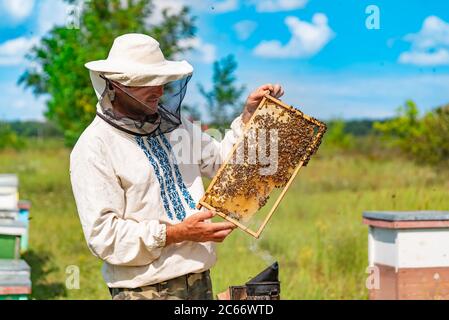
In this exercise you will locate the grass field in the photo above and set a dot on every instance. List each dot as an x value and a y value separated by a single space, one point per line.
317 234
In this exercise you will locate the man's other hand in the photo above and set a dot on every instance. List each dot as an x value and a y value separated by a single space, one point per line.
256 97
195 228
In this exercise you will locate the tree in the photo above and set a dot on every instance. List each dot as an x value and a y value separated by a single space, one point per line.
60 56
8 138
337 135
223 100
432 146
425 138
402 129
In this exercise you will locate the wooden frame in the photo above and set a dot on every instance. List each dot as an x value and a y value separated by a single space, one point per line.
303 162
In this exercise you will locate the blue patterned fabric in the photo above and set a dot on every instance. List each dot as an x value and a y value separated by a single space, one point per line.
181 185
159 159
164 162
141 144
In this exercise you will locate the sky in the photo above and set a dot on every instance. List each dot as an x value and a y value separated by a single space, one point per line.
350 59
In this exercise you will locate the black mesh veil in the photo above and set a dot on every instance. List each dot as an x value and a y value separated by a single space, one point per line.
124 111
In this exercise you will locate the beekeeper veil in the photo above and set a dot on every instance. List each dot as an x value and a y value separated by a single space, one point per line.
139 92
127 111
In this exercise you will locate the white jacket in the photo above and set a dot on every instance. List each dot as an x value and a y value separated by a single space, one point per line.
127 190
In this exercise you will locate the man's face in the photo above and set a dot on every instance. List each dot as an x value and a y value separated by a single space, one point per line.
148 95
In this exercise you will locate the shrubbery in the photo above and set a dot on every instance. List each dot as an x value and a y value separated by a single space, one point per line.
423 138
9 139
337 137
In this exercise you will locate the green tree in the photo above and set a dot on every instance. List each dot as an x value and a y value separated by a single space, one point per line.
425 138
8 138
403 129
432 146
60 56
223 100
337 135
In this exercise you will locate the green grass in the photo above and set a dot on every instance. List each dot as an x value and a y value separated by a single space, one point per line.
317 233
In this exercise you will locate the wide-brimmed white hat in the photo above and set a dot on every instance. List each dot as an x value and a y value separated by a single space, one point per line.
137 60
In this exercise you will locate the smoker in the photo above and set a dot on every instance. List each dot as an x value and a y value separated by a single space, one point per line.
265 286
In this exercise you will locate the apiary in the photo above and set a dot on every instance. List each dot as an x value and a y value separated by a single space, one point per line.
9 195
277 142
15 280
11 232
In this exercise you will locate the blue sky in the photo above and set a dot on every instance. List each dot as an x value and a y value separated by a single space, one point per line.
321 51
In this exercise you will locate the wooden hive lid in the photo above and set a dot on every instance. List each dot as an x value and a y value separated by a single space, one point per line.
407 219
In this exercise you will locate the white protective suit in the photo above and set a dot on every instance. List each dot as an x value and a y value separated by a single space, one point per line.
128 189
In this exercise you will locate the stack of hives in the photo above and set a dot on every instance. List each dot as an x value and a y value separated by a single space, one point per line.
15 280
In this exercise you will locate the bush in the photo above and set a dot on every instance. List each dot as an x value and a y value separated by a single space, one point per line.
337 137
432 146
422 138
9 139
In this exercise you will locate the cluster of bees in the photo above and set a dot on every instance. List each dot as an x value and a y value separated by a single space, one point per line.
296 142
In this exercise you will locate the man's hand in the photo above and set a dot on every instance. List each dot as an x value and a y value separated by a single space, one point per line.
196 229
256 97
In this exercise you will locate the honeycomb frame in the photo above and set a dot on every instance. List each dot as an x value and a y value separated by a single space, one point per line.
311 149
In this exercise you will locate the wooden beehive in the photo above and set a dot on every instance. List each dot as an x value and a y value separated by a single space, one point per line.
408 256
242 186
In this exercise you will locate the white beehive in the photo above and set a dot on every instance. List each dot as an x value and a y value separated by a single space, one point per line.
410 252
9 195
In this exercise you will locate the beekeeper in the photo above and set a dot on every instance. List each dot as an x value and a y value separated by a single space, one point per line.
136 175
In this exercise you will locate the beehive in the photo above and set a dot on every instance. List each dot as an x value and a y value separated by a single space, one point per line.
279 133
15 280
11 232
408 255
9 195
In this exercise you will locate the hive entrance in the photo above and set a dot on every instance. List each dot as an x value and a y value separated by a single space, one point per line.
277 142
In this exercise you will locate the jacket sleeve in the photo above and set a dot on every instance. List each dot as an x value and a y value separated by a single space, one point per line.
100 200
213 152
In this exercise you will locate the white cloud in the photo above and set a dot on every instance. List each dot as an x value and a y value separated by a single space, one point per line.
172 6
225 5
434 32
307 39
279 5
12 52
175 6
17 104
437 58
52 13
430 46
201 51
245 29
18 9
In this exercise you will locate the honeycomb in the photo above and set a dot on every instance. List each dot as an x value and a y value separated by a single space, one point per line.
278 133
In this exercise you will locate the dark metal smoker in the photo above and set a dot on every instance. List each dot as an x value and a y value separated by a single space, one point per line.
265 286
